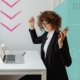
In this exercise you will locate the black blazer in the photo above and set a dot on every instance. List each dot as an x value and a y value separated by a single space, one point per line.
56 59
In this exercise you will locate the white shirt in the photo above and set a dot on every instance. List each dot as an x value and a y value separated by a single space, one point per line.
49 36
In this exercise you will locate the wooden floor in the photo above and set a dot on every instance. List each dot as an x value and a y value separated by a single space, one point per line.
7 77
21 77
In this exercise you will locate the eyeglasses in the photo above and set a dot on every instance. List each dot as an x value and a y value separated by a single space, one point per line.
44 23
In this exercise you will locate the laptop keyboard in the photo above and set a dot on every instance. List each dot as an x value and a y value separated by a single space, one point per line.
10 58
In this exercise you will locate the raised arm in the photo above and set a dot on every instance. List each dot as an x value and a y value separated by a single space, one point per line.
35 38
65 54
64 48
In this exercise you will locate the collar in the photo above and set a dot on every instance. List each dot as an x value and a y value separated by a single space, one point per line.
49 35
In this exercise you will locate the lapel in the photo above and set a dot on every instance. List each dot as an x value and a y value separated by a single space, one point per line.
51 43
44 40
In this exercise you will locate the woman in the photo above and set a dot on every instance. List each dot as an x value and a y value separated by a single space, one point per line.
54 46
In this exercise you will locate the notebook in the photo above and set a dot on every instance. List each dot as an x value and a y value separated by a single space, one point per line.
12 57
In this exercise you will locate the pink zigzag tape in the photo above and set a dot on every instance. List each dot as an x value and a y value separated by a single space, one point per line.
9 4
9 28
9 16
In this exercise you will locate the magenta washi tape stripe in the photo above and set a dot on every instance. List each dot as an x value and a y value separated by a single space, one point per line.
9 16
10 28
10 4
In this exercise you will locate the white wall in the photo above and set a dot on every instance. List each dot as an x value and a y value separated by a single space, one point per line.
19 38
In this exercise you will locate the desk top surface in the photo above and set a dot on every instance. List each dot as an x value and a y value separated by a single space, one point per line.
32 62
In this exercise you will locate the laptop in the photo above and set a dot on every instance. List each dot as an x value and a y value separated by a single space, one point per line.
12 57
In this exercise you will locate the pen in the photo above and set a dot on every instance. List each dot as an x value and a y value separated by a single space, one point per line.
23 53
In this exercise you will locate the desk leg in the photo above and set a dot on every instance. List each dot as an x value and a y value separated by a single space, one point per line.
43 77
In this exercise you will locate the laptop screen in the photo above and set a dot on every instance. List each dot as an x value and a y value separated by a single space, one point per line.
1 53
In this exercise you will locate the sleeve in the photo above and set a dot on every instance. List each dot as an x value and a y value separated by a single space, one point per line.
35 38
65 54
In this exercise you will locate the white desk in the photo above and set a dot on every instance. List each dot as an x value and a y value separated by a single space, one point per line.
33 65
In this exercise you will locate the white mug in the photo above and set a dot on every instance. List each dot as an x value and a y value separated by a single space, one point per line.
3 46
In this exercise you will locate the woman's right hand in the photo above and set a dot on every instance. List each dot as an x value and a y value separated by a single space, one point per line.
31 22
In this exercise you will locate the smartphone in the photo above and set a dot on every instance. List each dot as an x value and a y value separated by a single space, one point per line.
66 29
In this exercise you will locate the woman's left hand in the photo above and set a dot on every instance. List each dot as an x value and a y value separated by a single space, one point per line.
62 36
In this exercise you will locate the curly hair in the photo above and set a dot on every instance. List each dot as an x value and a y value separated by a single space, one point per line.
50 17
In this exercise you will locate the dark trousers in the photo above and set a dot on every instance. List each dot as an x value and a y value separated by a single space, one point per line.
31 77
